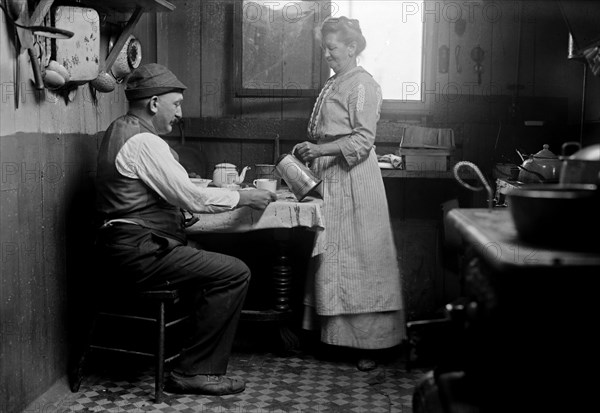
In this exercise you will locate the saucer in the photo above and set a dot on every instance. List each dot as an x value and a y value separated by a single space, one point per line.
232 187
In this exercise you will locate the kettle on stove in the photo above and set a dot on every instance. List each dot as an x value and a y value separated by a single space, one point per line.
541 167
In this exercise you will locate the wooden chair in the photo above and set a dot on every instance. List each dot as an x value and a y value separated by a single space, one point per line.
152 311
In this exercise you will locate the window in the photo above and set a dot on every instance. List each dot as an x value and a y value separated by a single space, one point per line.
398 39
276 54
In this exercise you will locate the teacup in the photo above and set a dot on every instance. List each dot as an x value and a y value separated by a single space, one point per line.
264 183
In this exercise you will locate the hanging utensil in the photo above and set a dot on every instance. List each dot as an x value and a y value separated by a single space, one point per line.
520 155
443 59
27 41
477 54
457 58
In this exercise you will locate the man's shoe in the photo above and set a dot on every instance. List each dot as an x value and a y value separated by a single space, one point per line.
204 384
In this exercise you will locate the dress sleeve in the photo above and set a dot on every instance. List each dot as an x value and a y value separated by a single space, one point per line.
364 105
147 157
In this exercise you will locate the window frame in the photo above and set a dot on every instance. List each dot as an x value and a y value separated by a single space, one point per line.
319 69
394 107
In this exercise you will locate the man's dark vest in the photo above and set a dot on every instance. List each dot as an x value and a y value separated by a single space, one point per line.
131 199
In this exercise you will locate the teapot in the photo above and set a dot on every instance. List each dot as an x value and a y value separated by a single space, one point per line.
226 174
541 167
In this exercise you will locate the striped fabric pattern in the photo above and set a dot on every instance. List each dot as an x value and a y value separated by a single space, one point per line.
357 271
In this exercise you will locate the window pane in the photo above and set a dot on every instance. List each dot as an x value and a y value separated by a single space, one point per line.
278 44
394 33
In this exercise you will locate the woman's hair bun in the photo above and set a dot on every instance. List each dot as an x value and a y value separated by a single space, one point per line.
348 28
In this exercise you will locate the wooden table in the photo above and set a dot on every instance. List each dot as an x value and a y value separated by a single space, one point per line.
280 216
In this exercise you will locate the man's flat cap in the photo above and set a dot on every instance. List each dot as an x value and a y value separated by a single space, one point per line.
151 80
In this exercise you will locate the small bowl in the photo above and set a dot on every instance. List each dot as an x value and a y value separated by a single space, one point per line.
201 182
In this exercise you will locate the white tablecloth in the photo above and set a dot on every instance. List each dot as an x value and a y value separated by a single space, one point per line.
286 212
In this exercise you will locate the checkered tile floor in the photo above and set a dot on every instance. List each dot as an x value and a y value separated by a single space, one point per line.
298 383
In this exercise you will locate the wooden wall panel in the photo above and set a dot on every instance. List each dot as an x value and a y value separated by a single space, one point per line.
528 49
10 282
180 49
146 30
442 85
52 238
7 106
506 35
32 317
217 61
229 151
46 147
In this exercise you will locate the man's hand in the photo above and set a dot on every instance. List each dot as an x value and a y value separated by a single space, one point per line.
256 198
189 218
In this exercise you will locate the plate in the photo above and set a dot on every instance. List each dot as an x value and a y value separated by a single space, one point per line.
231 187
201 182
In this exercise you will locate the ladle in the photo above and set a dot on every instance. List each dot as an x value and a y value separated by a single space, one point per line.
479 175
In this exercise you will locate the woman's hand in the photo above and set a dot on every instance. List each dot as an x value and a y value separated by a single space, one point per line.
307 151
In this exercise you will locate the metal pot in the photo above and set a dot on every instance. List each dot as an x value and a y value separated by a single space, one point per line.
556 215
542 167
296 175
583 167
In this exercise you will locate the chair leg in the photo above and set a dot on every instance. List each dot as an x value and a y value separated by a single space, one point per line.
160 355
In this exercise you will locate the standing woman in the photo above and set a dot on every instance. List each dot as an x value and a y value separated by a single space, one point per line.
354 288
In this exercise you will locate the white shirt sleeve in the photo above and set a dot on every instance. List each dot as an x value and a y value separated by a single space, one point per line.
148 157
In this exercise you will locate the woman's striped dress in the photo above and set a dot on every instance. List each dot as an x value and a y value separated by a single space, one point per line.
354 287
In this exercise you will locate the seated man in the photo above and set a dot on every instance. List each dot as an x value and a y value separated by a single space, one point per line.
142 192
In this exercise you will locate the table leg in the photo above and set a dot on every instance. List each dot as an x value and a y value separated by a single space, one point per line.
282 272
280 311
282 287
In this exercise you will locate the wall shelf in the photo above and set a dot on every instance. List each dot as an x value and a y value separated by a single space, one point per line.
400 173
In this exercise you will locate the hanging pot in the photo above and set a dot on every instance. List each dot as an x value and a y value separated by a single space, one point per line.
541 167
